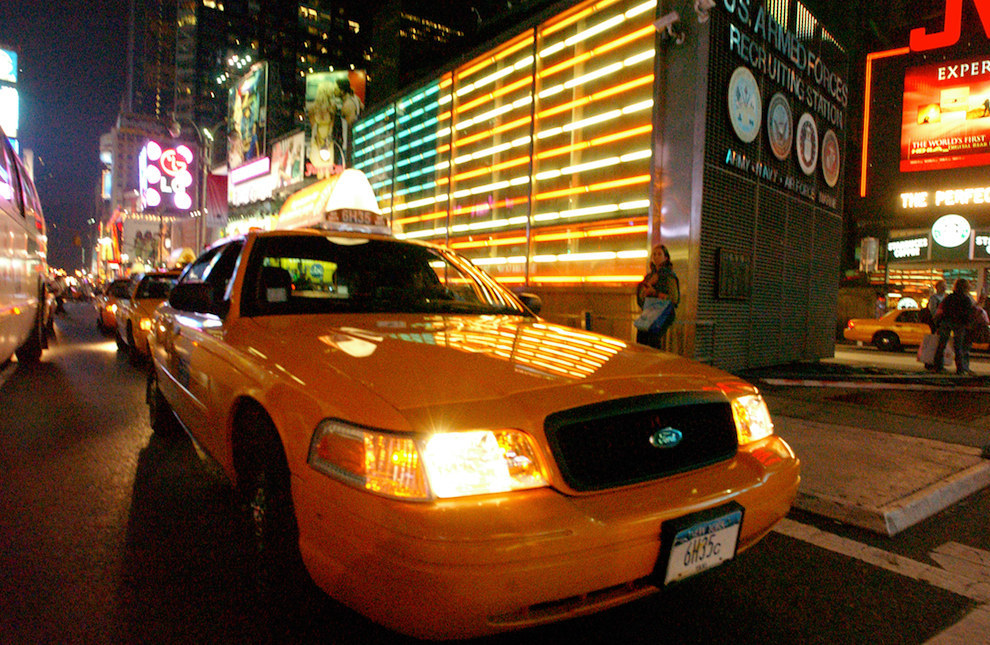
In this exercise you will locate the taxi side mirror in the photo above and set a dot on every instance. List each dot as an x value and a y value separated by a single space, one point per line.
196 297
532 302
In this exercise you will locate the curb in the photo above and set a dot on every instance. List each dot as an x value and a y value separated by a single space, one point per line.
897 515
881 481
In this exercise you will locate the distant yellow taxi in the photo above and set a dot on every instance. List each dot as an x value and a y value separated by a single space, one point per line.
438 457
136 309
106 303
893 331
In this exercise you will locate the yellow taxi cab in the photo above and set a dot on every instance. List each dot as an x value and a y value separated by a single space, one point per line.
438 457
106 303
892 331
137 307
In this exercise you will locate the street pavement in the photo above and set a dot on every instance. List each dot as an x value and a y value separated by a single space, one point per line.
884 444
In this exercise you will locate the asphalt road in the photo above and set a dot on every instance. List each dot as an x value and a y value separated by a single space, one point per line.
111 535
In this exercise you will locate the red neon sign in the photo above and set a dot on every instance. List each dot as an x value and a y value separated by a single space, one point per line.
923 41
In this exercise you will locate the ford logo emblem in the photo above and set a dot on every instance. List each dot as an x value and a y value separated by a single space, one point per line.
666 438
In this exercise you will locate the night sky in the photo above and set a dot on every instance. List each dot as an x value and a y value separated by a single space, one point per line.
71 58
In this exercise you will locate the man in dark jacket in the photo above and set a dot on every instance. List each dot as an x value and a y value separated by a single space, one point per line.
954 317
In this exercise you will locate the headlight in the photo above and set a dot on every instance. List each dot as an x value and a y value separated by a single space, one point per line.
752 418
443 465
112 309
145 324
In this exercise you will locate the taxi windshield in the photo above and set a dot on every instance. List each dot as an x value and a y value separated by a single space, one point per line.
299 274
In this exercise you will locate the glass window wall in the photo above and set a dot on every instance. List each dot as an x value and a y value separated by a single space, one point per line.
533 159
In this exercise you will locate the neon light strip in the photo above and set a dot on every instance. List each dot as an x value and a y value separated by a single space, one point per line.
463 141
491 114
490 60
597 51
521 179
566 21
644 55
866 108
542 217
605 185
511 87
553 237
262 166
597 141
494 76
489 152
605 25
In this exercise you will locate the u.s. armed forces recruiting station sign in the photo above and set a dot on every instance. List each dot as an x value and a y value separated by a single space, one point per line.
804 97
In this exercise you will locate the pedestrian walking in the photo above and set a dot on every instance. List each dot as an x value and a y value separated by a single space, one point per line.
954 317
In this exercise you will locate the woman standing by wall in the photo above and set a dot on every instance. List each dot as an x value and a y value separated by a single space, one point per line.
660 282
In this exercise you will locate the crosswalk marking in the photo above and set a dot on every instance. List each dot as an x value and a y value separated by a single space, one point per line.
963 570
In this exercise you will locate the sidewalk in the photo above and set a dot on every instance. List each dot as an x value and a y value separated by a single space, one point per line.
882 448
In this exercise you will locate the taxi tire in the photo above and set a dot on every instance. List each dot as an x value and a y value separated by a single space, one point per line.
134 356
264 488
887 341
163 421
30 351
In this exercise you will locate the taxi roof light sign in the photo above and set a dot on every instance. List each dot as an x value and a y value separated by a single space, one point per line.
341 202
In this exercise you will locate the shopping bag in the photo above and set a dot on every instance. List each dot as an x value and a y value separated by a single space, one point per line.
655 313
926 351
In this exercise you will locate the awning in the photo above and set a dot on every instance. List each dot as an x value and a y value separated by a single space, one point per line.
344 201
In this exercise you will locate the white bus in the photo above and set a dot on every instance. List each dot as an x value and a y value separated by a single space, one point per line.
23 264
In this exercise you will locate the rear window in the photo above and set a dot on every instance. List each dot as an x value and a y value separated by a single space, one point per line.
119 288
156 287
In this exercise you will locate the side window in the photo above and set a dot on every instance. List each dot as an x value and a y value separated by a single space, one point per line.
215 267
222 269
909 316
198 269
10 185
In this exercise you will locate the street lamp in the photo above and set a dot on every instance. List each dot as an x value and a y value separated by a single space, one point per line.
205 137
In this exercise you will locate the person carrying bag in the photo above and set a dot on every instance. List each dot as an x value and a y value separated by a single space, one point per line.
658 295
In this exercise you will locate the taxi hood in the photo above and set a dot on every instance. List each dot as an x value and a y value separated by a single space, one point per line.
412 361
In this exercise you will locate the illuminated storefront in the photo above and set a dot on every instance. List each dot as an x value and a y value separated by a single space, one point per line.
555 159
924 192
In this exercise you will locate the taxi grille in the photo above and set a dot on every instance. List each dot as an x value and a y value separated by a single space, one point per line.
617 443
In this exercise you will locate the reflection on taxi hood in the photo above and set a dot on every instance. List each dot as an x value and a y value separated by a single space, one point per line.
412 360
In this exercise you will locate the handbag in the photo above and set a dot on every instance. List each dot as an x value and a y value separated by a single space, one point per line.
655 313
928 347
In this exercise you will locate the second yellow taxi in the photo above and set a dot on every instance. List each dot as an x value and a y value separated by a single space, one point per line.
136 308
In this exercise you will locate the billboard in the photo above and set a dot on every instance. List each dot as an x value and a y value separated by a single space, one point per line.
288 156
945 119
8 66
165 176
9 110
334 101
247 108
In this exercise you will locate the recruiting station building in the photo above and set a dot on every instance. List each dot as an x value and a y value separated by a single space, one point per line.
924 189
558 157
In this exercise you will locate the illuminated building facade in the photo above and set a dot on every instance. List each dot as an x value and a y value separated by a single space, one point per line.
556 158
923 197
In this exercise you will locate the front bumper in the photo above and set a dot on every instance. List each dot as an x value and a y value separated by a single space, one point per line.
480 565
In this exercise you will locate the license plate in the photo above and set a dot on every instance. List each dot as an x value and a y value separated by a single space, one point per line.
698 542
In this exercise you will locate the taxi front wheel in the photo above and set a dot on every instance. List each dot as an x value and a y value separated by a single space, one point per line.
263 484
163 421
